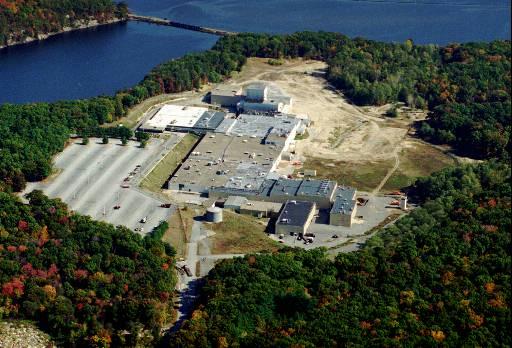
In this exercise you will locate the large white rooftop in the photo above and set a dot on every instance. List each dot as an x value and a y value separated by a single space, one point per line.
176 115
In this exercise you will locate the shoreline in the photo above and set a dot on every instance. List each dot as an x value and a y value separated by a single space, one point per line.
41 37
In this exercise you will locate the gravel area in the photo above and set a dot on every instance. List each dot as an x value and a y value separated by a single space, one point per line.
16 334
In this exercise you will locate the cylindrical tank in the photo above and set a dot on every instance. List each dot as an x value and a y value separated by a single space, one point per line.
214 214
403 203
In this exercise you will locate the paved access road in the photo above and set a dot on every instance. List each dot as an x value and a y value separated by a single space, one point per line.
91 180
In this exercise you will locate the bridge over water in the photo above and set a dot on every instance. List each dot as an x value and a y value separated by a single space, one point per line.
162 21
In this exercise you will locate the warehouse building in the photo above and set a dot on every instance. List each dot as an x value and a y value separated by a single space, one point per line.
239 155
278 130
344 208
178 118
227 96
319 191
264 99
219 160
256 92
295 217
234 203
256 98
261 209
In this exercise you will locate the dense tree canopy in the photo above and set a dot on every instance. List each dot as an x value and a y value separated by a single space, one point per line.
20 19
440 275
86 283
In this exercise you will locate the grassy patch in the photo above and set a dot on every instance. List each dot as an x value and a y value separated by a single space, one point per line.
302 136
240 234
415 161
155 180
334 137
180 228
275 62
363 176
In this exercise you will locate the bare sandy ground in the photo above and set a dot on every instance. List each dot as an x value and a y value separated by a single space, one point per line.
340 130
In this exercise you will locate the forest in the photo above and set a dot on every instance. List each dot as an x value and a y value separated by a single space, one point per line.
86 283
21 19
438 277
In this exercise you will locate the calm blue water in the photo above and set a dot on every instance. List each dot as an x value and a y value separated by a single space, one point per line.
104 60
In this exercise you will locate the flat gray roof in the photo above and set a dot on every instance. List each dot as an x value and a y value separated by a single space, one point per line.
227 91
305 187
285 187
235 201
259 125
316 188
343 206
295 213
345 192
230 161
210 120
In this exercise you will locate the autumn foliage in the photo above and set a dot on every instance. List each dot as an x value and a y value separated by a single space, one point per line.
43 17
85 283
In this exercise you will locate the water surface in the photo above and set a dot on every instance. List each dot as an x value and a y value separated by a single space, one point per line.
107 59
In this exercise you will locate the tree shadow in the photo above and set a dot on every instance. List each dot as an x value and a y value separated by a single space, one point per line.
187 301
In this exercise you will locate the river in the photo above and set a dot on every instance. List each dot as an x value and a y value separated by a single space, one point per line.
106 59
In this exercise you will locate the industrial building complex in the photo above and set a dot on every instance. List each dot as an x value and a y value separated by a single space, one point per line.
239 152
255 98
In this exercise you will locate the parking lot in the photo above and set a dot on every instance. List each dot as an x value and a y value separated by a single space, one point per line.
101 180
373 213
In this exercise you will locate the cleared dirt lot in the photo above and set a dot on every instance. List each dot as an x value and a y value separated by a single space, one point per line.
90 178
357 146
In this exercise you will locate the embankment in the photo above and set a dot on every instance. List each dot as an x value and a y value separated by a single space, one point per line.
78 25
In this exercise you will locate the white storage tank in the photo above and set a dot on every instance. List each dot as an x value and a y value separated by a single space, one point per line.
403 203
214 214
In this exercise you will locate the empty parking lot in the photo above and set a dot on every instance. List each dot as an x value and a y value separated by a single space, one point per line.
101 180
